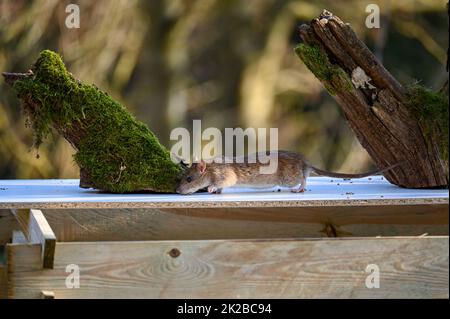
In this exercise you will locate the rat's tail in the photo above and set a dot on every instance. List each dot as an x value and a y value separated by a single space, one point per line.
343 175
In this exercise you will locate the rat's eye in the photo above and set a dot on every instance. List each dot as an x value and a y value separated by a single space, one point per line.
189 179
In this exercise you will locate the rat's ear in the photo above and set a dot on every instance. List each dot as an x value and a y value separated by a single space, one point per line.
201 166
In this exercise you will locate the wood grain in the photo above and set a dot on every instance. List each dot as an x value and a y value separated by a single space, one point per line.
328 268
7 224
23 219
36 229
41 232
3 282
240 223
18 237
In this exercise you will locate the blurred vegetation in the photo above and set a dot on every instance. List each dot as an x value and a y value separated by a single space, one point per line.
229 63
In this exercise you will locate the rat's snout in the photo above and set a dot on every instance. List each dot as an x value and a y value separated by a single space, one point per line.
181 190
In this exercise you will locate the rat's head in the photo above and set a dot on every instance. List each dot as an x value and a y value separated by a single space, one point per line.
194 178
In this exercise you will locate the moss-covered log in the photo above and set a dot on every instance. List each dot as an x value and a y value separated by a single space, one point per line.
115 152
394 124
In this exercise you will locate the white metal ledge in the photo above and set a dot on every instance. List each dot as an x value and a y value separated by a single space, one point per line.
322 191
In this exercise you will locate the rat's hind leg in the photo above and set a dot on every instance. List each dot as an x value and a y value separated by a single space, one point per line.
300 188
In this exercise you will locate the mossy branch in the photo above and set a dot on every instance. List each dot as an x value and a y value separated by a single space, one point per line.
333 77
115 152
431 108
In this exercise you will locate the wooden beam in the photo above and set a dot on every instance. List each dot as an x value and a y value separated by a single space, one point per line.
18 237
23 219
3 282
36 229
40 232
8 224
251 223
330 268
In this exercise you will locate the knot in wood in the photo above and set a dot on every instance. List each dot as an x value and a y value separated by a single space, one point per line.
174 252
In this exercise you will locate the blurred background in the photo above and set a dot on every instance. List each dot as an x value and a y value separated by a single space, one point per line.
228 63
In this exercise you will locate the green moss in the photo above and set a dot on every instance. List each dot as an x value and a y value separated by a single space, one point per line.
431 110
119 153
333 77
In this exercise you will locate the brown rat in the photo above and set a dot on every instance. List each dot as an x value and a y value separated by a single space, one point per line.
292 171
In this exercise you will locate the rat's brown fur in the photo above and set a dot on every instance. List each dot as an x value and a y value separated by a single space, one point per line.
292 171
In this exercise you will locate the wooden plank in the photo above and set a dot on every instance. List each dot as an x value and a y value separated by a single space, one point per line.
36 229
8 223
18 237
240 223
3 282
329 268
23 219
322 191
174 224
40 232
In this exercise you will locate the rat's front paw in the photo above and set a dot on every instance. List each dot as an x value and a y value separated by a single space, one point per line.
214 190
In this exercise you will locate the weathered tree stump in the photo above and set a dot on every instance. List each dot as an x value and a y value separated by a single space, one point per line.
394 124
115 152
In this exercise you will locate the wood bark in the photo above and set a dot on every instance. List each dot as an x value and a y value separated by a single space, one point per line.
377 113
